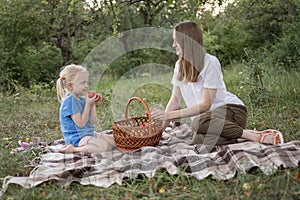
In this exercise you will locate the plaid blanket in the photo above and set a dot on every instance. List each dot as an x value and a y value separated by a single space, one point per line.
175 153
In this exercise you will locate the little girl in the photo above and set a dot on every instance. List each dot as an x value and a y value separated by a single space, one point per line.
78 114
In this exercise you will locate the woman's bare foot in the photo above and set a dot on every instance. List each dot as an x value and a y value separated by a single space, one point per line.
68 149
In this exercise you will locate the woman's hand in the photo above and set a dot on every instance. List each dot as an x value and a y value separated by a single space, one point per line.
159 115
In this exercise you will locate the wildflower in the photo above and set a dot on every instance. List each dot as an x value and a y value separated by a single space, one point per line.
246 186
162 190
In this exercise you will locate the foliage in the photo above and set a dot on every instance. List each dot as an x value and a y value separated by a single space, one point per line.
267 20
65 20
258 93
68 25
268 27
274 26
38 37
40 119
17 40
137 58
67 31
224 36
285 53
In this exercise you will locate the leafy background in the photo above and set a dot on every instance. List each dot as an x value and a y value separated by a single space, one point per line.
257 42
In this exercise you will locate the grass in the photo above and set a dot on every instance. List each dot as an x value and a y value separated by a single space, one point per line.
35 113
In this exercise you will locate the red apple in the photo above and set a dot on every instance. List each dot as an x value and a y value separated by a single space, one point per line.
145 124
91 94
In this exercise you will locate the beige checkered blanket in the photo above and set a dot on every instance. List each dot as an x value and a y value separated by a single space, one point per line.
175 154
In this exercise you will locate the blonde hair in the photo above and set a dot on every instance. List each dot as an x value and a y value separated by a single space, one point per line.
67 75
190 38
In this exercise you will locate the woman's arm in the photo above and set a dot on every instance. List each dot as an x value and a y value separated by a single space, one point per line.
208 96
173 104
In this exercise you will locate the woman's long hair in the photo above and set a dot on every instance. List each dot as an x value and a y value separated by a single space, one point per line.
189 37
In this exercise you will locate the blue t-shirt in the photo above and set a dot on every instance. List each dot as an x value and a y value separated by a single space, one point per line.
71 132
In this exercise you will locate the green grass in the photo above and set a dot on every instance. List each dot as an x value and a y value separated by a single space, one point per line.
35 113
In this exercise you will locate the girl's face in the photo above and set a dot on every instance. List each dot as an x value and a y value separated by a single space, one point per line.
176 46
80 84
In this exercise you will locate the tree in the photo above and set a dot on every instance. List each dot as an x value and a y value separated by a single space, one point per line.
20 32
255 25
32 30
268 19
28 27
132 14
65 20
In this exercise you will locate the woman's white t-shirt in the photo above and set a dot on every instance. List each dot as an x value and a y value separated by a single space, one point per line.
210 77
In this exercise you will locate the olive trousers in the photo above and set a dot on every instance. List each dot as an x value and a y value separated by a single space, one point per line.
220 126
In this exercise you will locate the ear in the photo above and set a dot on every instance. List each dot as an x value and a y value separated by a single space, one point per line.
69 86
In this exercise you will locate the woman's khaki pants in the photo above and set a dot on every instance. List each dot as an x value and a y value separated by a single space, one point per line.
222 125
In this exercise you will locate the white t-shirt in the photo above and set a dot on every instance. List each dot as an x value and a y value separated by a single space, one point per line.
210 77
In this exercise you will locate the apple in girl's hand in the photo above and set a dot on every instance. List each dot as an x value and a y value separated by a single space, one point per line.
91 94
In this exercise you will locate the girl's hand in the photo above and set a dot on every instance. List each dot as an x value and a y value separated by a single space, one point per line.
99 98
94 97
91 100
159 114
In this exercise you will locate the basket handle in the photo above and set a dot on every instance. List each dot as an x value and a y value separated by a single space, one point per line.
147 109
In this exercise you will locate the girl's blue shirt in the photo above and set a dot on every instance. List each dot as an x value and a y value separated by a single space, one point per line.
71 132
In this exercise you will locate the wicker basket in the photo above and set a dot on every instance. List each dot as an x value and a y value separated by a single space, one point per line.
136 132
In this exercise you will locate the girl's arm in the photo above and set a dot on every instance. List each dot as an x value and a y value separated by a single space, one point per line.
98 100
93 114
81 119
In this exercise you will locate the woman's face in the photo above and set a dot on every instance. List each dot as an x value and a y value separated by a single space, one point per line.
176 46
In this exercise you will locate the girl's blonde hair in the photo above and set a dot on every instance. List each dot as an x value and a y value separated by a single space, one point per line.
190 38
67 75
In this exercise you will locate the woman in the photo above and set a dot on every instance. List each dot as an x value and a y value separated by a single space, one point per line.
218 117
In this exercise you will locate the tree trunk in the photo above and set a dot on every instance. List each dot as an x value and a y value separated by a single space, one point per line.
64 44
